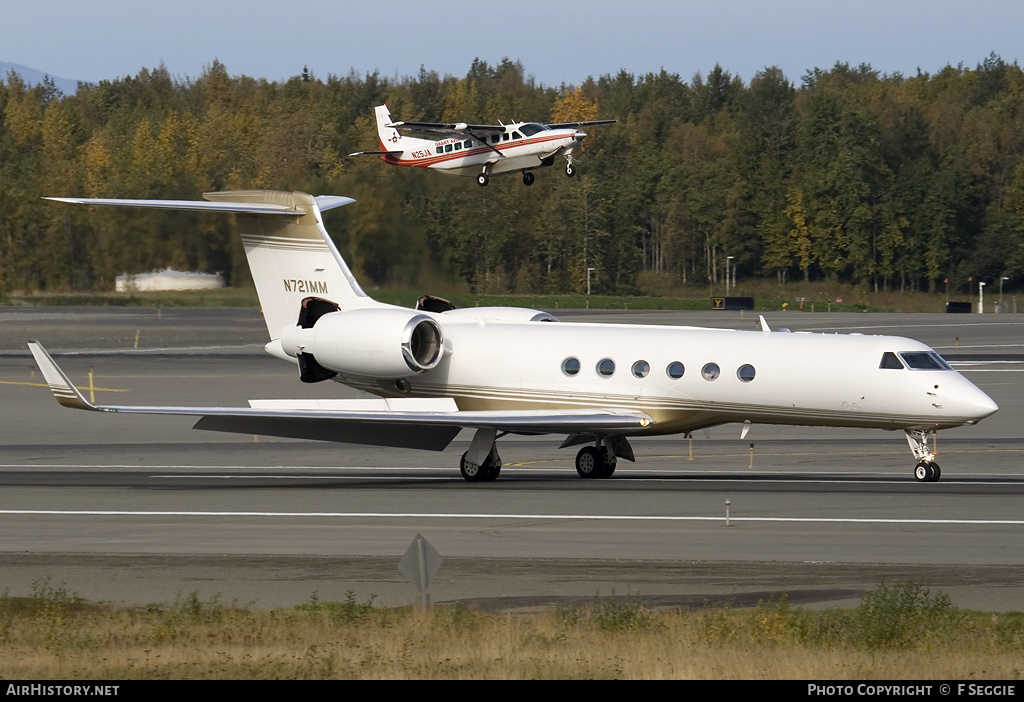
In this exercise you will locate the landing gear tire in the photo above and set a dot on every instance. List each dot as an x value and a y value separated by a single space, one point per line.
927 472
589 462
482 179
570 170
527 178
478 474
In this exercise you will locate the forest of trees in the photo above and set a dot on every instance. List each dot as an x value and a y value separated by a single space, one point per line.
883 181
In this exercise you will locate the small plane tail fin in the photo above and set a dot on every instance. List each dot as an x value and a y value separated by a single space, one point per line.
290 254
390 138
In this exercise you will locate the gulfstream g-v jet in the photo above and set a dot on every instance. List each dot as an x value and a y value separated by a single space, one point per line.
480 150
430 372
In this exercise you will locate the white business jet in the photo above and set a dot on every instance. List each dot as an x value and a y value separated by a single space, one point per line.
479 150
428 373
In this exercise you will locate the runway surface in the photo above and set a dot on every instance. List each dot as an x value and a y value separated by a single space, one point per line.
138 509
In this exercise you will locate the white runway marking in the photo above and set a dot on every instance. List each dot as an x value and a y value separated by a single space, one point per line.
558 517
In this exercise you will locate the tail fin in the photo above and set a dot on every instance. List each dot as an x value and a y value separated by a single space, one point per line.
290 254
390 138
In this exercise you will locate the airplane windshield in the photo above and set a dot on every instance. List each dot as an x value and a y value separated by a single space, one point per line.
531 128
924 360
890 361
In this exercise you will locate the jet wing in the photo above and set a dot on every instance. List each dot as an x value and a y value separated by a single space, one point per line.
324 202
577 125
404 422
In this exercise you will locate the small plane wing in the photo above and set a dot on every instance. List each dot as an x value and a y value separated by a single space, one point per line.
577 125
449 128
403 422
376 153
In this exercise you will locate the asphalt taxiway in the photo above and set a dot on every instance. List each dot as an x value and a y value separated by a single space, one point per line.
139 509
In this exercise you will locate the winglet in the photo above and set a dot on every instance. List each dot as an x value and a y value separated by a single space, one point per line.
63 389
764 324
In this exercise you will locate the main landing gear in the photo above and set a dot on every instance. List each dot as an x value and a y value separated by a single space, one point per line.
926 470
596 461
482 179
481 463
482 472
570 170
527 178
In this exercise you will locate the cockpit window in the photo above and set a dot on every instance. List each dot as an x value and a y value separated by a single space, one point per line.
530 128
890 361
924 360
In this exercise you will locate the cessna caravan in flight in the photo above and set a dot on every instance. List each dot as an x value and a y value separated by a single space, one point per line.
479 150
430 372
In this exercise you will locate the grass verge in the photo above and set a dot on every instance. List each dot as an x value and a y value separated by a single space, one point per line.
900 631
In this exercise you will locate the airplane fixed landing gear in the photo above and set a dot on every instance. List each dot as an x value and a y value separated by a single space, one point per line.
596 462
570 170
482 179
926 470
527 178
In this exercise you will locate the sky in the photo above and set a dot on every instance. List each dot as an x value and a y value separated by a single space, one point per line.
556 42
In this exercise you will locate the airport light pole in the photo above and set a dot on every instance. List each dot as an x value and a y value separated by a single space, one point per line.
588 280
981 298
1001 293
728 263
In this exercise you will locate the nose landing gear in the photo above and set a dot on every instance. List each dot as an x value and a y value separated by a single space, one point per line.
926 470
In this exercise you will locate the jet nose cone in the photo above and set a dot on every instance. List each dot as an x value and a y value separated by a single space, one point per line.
978 405
987 407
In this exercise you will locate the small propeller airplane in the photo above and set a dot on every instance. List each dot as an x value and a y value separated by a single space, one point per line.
478 149
430 372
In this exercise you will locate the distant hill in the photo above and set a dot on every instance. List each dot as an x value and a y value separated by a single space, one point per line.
34 77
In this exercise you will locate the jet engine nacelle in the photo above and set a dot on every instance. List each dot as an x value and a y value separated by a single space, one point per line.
376 343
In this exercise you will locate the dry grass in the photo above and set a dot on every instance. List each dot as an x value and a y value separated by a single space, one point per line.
906 633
